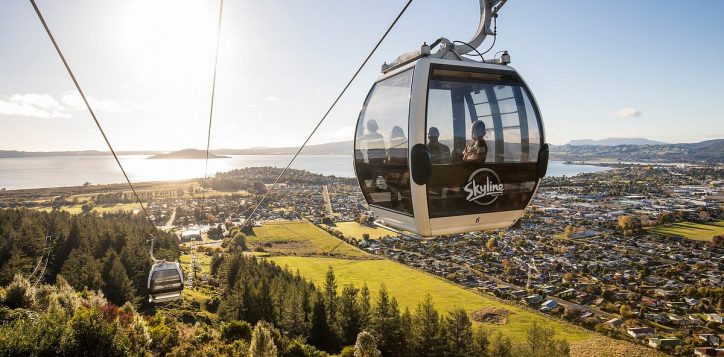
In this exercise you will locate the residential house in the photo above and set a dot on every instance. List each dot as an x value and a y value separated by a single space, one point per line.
548 305
639 332
615 322
665 343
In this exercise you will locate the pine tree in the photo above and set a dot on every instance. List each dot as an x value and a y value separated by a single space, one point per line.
294 322
82 271
481 341
406 328
387 326
426 329
266 303
321 335
330 295
500 346
349 315
262 344
119 288
540 342
460 333
365 306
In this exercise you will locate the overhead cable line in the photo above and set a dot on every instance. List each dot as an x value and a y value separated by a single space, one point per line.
208 134
334 103
85 100
213 95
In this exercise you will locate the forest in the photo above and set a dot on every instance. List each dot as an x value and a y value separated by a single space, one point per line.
91 302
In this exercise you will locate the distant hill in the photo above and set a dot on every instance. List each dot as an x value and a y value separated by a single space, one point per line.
615 142
336 148
642 150
711 151
5 154
187 154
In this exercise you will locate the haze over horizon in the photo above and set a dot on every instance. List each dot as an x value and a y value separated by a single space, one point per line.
148 67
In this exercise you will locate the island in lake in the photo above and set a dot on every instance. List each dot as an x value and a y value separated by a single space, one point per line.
187 154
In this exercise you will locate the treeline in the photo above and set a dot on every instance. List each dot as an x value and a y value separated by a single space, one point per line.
265 311
294 309
254 178
108 253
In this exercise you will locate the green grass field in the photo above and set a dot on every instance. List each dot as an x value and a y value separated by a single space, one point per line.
690 230
77 209
204 261
356 230
409 286
302 238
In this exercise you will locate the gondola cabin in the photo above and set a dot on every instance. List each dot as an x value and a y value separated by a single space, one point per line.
165 282
448 146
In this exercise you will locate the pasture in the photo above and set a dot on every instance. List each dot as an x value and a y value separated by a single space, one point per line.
356 230
410 286
690 230
301 238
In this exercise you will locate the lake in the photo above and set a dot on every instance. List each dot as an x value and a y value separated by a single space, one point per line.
59 171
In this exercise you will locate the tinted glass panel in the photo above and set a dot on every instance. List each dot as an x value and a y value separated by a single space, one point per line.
484 138
381 144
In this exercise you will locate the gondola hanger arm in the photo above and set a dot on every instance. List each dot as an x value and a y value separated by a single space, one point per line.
488 10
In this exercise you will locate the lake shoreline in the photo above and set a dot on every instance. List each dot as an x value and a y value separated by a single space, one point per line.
72 171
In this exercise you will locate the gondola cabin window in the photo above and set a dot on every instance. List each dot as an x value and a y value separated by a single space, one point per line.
483 135
381 144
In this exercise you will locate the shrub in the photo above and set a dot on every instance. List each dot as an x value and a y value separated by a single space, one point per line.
19 294
235 330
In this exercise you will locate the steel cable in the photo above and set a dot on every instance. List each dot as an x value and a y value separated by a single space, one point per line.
85 100
334 103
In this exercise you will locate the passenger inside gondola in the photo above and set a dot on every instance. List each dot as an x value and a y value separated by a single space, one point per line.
439 152
397 180
477 149
397 148
375 143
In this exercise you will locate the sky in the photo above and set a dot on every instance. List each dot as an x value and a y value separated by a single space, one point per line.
598 69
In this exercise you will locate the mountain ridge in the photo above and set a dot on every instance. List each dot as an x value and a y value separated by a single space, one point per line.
615 142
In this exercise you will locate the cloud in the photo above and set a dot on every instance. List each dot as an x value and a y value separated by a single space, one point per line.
73 99
33 105
628 112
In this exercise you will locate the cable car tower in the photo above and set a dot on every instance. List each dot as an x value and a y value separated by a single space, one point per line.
448 144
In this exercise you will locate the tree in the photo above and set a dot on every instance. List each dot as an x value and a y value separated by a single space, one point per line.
90 335
235 330
426 329
386 324
629 223
540 342
19 294
239 241
459 333
320 335
262 344
366 346
568 231
118 288
365 306
349 315
490 244
82 271
500 346
330 295
481 341
625 311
